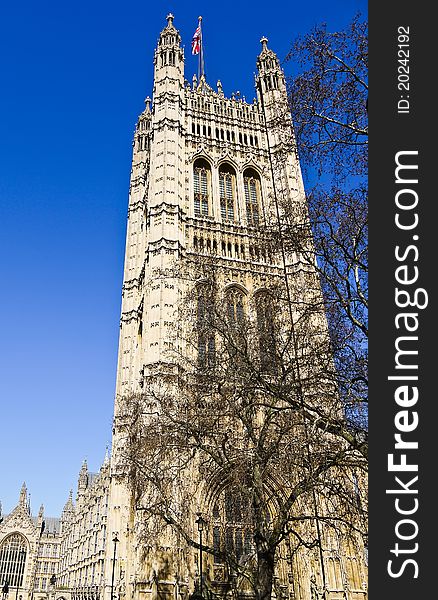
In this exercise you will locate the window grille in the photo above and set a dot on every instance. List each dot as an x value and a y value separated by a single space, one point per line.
235 306
252 197
13 559
266 331
232 530
206 338
201 188
227 186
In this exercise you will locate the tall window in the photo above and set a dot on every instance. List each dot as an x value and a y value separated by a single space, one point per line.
252 186
227 190
206 339
202 187
266 331
12 560
235 302
232 531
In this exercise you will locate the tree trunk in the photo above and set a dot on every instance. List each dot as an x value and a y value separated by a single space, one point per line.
264 575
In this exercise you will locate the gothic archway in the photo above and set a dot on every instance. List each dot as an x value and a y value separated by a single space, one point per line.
13 552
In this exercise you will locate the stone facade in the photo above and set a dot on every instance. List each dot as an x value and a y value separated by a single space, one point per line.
29 552
45 558
82 552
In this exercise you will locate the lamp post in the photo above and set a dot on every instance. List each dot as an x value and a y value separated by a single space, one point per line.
5 589
115 541
200 522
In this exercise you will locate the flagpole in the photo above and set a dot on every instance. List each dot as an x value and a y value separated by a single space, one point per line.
201 53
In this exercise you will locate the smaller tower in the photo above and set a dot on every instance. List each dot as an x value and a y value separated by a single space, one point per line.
169 60
82 481
24 501
40 519
106 459
67 513
68 510
270 73
272 98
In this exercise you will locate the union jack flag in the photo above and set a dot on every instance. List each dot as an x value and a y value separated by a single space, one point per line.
196 40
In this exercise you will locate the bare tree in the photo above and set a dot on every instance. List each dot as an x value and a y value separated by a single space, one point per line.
328 101
248 422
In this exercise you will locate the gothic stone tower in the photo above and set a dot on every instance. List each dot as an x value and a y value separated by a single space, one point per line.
202 178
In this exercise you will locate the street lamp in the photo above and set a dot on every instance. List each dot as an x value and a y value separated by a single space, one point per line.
115 541
5 589
200 522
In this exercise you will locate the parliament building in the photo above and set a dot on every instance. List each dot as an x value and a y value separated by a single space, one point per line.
210 176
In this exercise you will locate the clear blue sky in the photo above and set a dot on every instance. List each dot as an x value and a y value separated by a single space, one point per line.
73 80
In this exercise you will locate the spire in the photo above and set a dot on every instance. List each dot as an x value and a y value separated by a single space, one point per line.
83 473
82 479
267 58
69 504
68 507
106 459
67 512
170 18
169 54
23 496
40 520
170 30
270 77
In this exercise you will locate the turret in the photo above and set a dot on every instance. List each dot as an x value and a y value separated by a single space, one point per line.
67 512
270 78
23 501
106 461
273 102
82 481
40 520
169 60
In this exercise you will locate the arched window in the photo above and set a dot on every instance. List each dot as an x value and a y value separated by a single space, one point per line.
206 339
251 182
202 187
12 560
227 190
232 531
235 306
266 330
